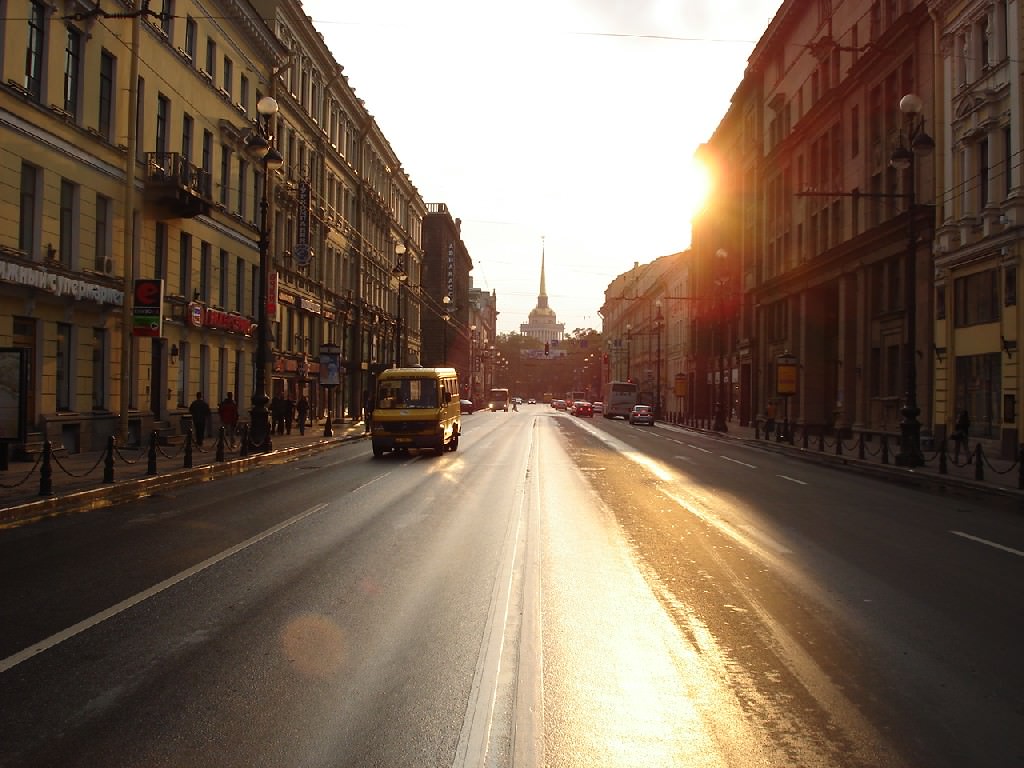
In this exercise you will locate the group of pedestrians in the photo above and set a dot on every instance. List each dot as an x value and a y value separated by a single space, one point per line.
284 412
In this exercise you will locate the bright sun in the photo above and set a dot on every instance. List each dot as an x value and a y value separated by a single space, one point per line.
694 187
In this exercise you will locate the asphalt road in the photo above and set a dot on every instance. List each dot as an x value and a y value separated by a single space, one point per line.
559 591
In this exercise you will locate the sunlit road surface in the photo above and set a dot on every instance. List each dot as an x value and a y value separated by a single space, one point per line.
556 593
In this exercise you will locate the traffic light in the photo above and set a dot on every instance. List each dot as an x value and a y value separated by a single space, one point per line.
547 349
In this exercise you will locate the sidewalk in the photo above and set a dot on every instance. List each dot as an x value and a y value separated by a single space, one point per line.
77 479
999 476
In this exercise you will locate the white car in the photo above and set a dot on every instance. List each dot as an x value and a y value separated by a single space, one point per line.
641 414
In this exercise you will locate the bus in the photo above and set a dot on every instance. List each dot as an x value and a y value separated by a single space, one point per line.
620 397
497 399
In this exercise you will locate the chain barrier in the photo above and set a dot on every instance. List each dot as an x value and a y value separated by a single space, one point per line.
69 473
26 477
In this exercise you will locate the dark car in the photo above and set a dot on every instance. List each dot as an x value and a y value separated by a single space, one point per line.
558 405
465 406
641 414
583 408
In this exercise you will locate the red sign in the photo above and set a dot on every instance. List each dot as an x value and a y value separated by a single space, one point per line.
147 308
207 317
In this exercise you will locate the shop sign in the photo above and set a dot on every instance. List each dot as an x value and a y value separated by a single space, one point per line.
147 308
217 319
303 253
309 305
59 285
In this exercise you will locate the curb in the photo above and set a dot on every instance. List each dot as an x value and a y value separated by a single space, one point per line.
130 490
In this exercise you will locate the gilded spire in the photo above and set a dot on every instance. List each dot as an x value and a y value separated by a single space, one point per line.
542 297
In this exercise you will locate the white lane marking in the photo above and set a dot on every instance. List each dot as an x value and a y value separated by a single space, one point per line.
698 448
986 542
124 605
792 480
737 461
686 459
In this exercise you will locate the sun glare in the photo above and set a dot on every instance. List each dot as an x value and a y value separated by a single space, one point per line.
695 185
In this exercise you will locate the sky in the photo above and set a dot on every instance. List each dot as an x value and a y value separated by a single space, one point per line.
567 126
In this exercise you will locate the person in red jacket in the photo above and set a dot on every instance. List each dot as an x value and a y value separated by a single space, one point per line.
228 413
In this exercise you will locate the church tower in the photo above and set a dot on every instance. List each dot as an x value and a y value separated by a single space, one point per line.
543 324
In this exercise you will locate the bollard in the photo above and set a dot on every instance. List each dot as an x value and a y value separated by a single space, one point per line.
1020 468
151 466
860 446
108 461
943 467
219 456
757 430
885 449
839 442
821 440
979 469
188 448
46 471
243 443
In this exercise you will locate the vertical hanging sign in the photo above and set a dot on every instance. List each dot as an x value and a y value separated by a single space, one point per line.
451 271
303 253
147 308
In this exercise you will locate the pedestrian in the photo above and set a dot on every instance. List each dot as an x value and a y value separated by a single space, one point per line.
367 409
302 410
961 433
289 413
277 414
228 412
200 411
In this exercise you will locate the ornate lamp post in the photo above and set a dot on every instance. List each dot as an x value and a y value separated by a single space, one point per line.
260 145
720 408
398 277
903 159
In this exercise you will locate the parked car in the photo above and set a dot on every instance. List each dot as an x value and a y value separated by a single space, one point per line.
641 414
582 408
465 406
558 405
598 407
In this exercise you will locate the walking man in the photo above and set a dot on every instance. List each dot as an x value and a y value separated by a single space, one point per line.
200 411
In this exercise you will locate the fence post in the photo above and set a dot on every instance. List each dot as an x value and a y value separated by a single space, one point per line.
243 443
46 471
860 446
885 449
821 440
108 461
188 448
220 445
943 467
151 465
839 442
979 470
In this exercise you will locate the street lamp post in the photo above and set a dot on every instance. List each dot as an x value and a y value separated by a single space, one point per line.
659 322
399 276
903 159
719 410
446 316
472 362
629 347
260 145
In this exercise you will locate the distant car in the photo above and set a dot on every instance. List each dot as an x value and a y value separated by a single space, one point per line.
532 401
598 407
559 405
465 406
583 408
641 414
517 400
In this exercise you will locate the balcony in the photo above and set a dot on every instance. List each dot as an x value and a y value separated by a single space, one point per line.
178 186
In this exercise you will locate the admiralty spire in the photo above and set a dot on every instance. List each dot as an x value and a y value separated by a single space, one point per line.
543 324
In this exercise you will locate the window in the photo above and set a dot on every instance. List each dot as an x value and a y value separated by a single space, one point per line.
185 266
72 71
208 151
228 74
211 57
893 377
104 227
239 285
254 282
166 15
36 51
28 213
855 131
243 93
1010 287
160 251
187 127
983 172
225 174
163 114
940 302
63 367
99 369
68 231
975 299
191 33
106 95
204 271
243 187
223 299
